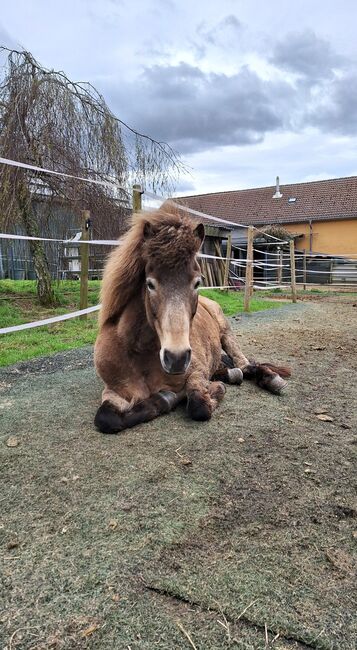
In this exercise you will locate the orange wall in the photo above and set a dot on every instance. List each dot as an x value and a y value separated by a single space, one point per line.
327 236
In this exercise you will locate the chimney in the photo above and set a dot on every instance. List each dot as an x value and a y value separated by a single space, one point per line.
277 194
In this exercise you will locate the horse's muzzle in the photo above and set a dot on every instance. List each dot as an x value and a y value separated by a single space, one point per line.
175 363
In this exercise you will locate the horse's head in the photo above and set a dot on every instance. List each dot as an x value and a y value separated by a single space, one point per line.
172 279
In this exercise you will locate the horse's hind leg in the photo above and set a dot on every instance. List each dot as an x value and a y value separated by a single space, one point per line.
266 375
229 375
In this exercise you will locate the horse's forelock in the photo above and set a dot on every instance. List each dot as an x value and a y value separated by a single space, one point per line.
172 243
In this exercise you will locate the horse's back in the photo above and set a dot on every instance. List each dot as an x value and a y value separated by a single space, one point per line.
213 309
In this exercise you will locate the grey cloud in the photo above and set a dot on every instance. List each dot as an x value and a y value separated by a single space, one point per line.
195 111
308 55
337 111
214 34
219 35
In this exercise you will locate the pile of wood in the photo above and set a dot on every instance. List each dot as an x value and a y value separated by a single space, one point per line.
213 270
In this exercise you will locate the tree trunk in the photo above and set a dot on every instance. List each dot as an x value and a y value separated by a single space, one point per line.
44 283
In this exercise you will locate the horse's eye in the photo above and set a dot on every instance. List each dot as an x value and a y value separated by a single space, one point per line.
197 284
150 285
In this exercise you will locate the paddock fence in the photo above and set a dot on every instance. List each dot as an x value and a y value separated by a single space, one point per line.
245 267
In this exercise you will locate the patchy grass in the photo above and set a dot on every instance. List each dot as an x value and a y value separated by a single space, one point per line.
232 302
19 304
239 529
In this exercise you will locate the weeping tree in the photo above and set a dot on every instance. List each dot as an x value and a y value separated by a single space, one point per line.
49 121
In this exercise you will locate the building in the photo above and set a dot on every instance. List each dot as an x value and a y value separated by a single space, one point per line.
322 214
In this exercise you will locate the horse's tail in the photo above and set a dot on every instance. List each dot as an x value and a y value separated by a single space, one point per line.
283 371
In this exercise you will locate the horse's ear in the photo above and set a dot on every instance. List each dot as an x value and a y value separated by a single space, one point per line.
148 230
200 232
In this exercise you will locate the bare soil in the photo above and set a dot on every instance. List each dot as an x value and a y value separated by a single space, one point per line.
237 533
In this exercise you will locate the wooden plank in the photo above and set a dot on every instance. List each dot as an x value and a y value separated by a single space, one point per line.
137 203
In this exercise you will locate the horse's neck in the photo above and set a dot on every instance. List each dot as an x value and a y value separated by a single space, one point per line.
134 327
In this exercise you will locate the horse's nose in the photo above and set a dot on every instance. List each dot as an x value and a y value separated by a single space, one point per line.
176 363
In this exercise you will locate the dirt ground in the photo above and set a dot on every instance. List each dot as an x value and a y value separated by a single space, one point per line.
236 533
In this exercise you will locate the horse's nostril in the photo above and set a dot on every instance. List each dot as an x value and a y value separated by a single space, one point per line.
176 363
167 358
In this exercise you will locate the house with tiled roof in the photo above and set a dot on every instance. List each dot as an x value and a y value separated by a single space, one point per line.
321 214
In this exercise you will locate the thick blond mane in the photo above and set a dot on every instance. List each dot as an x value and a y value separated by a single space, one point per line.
164 236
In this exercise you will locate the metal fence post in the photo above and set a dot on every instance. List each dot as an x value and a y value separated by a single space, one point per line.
84 255
228 259
292 270
249 269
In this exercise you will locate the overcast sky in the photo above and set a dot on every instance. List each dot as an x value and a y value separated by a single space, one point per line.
244 90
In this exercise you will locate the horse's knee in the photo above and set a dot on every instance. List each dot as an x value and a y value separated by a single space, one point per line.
108 419
199 406
217 390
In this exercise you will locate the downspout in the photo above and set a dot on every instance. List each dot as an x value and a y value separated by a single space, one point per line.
311 234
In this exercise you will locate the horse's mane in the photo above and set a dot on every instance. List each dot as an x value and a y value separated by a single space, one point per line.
165 236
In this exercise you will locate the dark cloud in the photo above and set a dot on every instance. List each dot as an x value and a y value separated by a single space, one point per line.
337 110
194 110
308 55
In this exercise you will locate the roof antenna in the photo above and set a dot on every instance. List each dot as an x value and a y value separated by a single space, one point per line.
277 194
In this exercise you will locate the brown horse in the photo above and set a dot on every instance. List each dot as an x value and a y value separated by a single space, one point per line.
159 341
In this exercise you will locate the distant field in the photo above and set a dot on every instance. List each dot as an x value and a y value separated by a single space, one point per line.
18 304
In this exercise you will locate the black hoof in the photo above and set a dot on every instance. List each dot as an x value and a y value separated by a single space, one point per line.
198 407
108 420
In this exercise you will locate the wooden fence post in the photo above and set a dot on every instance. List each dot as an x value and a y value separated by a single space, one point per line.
228 259
137 203
248 269
84 256
292 270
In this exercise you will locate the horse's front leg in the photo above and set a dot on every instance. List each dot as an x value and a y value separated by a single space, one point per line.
147 409
203 396
116 414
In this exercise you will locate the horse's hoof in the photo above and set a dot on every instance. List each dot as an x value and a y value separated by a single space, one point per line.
108 419
275 384
198 407
235 376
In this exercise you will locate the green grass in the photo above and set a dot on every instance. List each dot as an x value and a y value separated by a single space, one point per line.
232 302
18 304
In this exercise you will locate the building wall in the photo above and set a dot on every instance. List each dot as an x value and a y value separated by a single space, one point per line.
331 237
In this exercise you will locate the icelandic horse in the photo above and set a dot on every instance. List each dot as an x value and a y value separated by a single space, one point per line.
159 342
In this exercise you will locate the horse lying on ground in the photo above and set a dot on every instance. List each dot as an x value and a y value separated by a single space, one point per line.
159 341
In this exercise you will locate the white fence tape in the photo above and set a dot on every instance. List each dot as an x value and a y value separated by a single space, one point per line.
68 242
15 163
48 321
62 317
